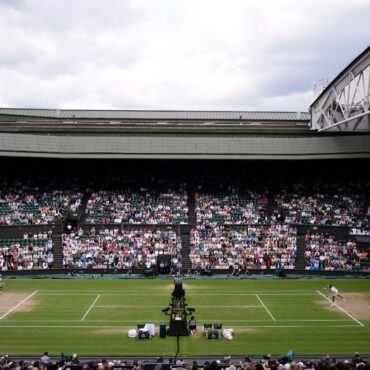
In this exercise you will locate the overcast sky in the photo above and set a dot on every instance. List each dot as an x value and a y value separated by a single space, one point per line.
175 54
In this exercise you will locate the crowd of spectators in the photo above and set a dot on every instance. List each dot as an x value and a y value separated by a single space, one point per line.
320 203
323 204
24 205
231 208
327 362
33 251
119 249
252 247
325 252
144 207
246 224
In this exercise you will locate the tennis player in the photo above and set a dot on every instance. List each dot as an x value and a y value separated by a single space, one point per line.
334 293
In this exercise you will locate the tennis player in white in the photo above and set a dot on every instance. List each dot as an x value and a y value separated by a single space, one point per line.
334 293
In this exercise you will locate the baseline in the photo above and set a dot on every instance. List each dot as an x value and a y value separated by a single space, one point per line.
220 320
125 326
96 291
150 306
167 294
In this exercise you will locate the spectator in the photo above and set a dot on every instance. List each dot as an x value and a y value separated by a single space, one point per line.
45 359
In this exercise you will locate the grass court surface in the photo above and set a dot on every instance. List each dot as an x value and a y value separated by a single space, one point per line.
92 317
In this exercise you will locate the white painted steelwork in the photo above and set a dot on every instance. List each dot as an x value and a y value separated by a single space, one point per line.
344 106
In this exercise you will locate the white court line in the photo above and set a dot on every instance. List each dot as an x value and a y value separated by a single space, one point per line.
342 309
166 289
107 320
241 320
201 320
71 294
126 327
314 320
65 294
149 306
89 309
167 294
295 326
135 320
19 304
273 318
281 294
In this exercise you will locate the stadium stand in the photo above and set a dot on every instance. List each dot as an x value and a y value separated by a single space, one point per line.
324 252
255 247
22 204
121 249
222 217
356 362
32 252
317 200
322 209
232 208
112 207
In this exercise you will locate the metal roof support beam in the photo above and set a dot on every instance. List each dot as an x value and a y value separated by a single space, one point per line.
357 118
345 104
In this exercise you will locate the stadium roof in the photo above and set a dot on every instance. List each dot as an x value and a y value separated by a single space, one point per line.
54 133
344 105
155 114
343 72
188 146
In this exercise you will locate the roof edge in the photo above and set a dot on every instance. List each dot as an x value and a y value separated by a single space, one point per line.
345 70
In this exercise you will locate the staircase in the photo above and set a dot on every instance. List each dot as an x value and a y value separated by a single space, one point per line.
82 209
185 240
57 250
300 262
272 207
191 206
185 234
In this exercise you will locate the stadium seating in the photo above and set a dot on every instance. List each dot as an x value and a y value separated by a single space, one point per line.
211 363
323 204
324 252
29 253
111 207
237 221
114 248
24 205
249 248
231 208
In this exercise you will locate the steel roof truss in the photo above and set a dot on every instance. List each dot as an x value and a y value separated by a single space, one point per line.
346 103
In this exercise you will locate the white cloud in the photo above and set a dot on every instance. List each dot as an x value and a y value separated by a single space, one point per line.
174 54
300 100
